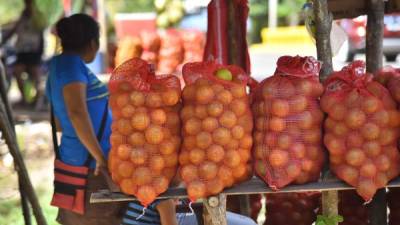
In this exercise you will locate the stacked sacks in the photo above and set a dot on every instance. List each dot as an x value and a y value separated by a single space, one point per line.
288 121
151 45
217 126
352 208
145 137
361 130
128 48
292 208
171 51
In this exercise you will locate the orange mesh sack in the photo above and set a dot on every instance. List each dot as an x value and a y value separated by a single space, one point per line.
288 124
361 130
217 126
145 137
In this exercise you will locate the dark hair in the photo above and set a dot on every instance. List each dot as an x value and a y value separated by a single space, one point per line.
77 31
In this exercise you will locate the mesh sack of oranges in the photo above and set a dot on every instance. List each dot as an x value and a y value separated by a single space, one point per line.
393 197
151 45
292 208
361 130
128 48
288 123
352 209
217 126
171 51
145 137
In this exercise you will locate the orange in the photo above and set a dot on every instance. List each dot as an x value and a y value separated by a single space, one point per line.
368 170
239 171
196 156
169 172
383 163
215 153
304 87
141 109
312 136
305 120
127 111
215 109
124 152
261 123
286 89
125 169
187 112
238 106
340 129
204 94
141 175
298 104
318 89
314 152
284 141
203 139
237 132
298 150
192 126
329 123
277 124
238 91
394 118
388 136
167 147
244 155
158 116
381 180
280 107
355 157
146 194
153 100
246 121
221 136
232 145
124 127
189 92
156 163
348 174
353 99
196 189
370 104
355 118
140 121
117 139
232 158
225 97
138 156
122 100
154 134
354 140
170 97
337 112
184 157
137 98
208 170
171 160
189 173
370 131
217 88
228 119
278 158
366 189
381 118
269 89
336 146
293 170
226 176
128 187
160 184
215 186
136 139
209 124
307 165
201 111
189 142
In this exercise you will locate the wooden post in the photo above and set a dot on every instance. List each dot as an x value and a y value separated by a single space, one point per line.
374 37
323 19
377 209
214 210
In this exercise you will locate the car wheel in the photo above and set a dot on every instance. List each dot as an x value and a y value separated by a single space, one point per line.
391 57
345 54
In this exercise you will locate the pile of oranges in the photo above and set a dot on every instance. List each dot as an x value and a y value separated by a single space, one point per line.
217 141
288 135
361 130
145 136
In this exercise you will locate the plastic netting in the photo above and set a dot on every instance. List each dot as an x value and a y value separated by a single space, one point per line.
145 139
288 124
361 130
217 126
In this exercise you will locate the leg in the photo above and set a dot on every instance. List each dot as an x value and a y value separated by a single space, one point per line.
35 72
18 71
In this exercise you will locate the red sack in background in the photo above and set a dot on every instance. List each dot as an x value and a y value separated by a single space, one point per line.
145 137
217 126
288 121
393 197
128 48
292 208
193 45
171 51
352 208
361 130
151 45
217 44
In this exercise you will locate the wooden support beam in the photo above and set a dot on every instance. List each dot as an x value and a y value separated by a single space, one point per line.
214 210
374 37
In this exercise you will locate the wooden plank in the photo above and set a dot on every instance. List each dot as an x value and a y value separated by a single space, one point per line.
252 186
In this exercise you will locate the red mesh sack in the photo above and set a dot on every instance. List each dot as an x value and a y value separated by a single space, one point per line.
217 126
171 51
145 137
361 130
385 74
393 197
288 124
393 85
352 208
151 45
128 48
292 208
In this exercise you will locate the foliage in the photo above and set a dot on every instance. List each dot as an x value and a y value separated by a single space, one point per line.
259 18
10 10
331 220
169 12
46 12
